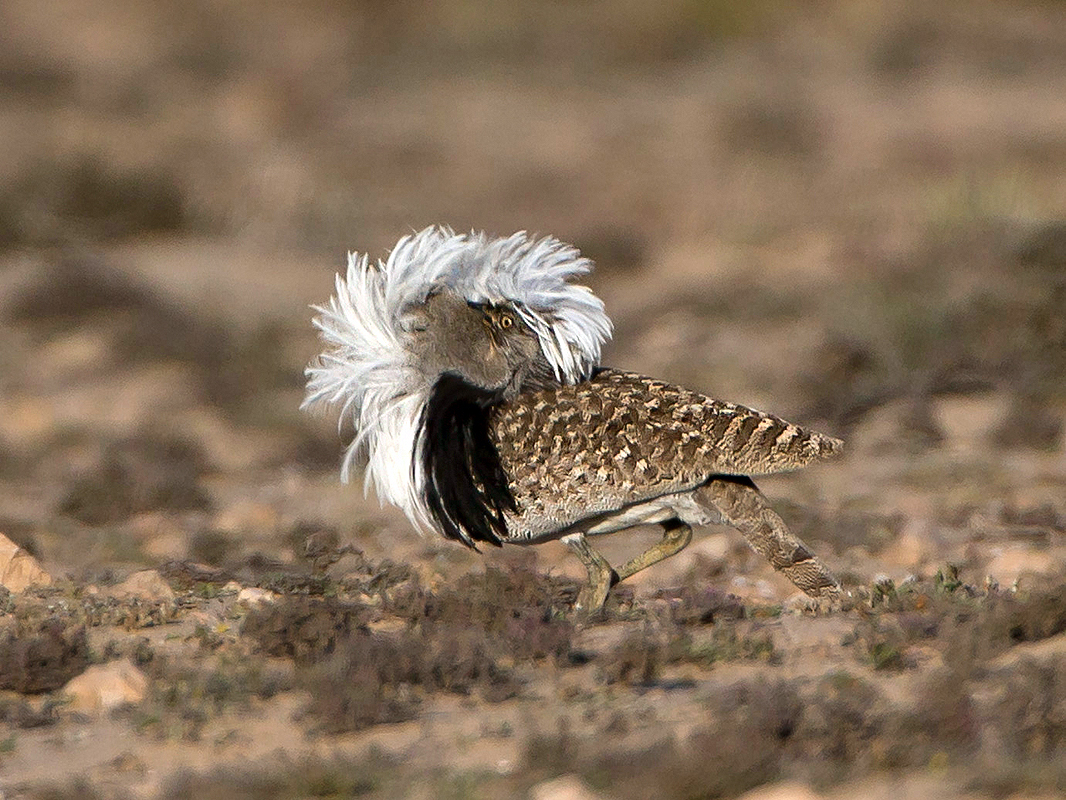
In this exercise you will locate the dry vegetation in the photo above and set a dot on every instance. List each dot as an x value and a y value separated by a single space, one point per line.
849 214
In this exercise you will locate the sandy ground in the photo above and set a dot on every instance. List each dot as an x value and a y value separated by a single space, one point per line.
852 215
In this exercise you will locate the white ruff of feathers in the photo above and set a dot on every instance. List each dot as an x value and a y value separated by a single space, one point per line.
369 372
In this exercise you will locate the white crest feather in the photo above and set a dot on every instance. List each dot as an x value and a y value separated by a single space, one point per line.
366 368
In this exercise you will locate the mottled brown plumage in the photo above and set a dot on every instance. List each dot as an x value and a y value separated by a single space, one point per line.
619 439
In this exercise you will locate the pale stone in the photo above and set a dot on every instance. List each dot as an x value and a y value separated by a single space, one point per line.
18 569
146 584
253 596
103 687
565 787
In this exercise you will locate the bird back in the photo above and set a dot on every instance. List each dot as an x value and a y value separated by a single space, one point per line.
577 451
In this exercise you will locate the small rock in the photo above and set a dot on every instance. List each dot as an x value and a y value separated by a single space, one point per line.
253 596
18 569
103 687
146 584
565 787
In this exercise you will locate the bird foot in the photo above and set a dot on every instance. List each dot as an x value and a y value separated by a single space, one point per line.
593 596
601 577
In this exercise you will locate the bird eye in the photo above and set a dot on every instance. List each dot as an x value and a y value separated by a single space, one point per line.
506 321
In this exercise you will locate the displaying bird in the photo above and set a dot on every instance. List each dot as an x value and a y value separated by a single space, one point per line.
469 367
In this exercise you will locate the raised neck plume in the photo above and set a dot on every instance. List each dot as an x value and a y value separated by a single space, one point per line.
384 357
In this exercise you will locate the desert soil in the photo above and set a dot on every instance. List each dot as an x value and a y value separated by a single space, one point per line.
851 214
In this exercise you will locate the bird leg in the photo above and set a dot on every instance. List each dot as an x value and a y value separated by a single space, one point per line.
676 536
601 574
743 506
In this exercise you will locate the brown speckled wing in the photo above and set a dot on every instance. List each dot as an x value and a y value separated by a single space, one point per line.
574 452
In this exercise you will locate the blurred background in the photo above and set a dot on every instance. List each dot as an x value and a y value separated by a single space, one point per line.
852 214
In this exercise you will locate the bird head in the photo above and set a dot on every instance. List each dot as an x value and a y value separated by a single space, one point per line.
487 344
499 313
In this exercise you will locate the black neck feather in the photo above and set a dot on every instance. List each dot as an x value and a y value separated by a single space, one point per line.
466 487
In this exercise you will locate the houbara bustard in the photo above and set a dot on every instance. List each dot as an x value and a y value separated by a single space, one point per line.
469 367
